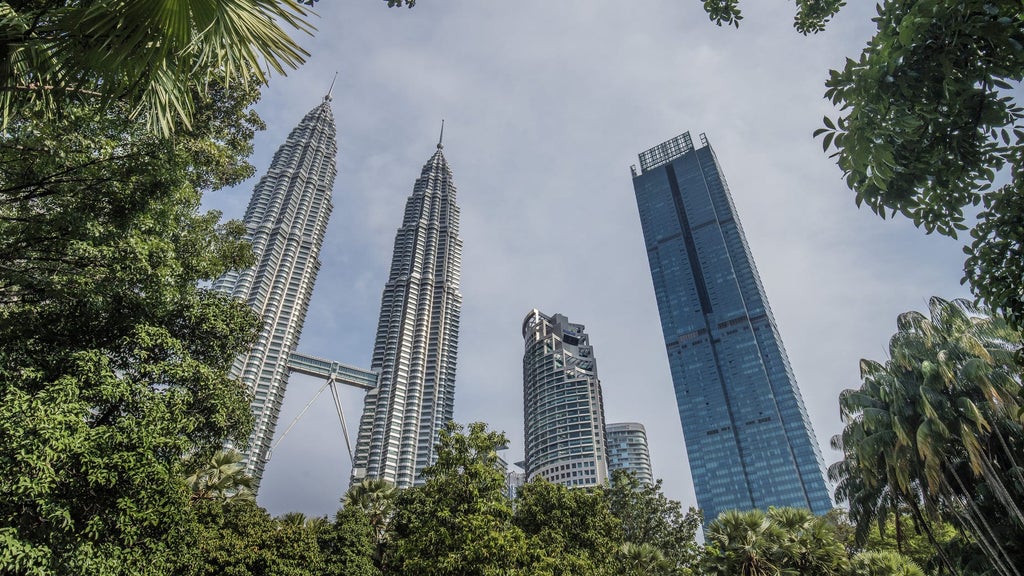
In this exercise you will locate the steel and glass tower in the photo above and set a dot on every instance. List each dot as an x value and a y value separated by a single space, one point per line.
563 410
285 221
417 336
748 438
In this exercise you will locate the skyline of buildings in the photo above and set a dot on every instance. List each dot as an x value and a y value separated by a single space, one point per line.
285 221
628 450
747 434
417 335
563 409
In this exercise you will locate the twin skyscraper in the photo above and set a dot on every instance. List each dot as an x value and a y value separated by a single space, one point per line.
747 433
411 383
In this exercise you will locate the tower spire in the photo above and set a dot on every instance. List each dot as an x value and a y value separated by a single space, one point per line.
440 139
330 90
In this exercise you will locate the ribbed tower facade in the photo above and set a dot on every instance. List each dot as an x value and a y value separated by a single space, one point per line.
417 336
748 437
285 221
563 410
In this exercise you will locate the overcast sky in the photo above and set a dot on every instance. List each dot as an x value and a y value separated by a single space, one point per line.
546 105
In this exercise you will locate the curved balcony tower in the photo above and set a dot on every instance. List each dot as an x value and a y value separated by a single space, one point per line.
563 409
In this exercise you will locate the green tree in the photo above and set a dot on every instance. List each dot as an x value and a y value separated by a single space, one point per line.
916 544
812 546
811 15
883 563
113 363
743 544
938 427
238 538
459 522
877 477
643 560
569 530
648 517
151 56
928 120
375 498
292 519
349 545
781 541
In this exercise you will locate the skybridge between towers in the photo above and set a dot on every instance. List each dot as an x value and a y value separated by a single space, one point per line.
333 374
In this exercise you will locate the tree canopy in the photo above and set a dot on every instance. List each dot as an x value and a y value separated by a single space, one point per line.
459 521
811 15
649 518
569 530
113 362
238 538
221 477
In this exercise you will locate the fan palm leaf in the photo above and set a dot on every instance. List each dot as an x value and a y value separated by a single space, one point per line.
152 54
222 477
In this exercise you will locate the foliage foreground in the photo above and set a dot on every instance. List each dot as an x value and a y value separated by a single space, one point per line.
935 433
113 362
461 522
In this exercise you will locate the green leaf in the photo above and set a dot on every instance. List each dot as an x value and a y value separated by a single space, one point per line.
827 141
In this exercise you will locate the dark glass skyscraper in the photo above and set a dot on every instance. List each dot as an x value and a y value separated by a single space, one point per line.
417 336
748 438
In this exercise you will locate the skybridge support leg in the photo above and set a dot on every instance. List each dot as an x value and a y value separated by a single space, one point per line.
341 416
296 420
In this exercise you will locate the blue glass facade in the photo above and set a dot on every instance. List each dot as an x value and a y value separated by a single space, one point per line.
748 438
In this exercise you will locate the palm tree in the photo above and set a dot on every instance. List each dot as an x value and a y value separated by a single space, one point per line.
222 477
294 519
376 498
643 560
936 422
318 524
876 477
745 544
783 541
152 54
810 543
883 563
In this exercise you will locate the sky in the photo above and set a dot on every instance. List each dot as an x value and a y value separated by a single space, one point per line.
546 105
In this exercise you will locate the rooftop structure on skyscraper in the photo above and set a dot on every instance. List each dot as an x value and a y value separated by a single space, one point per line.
747 433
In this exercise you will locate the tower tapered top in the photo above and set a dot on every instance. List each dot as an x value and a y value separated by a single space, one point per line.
440 139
